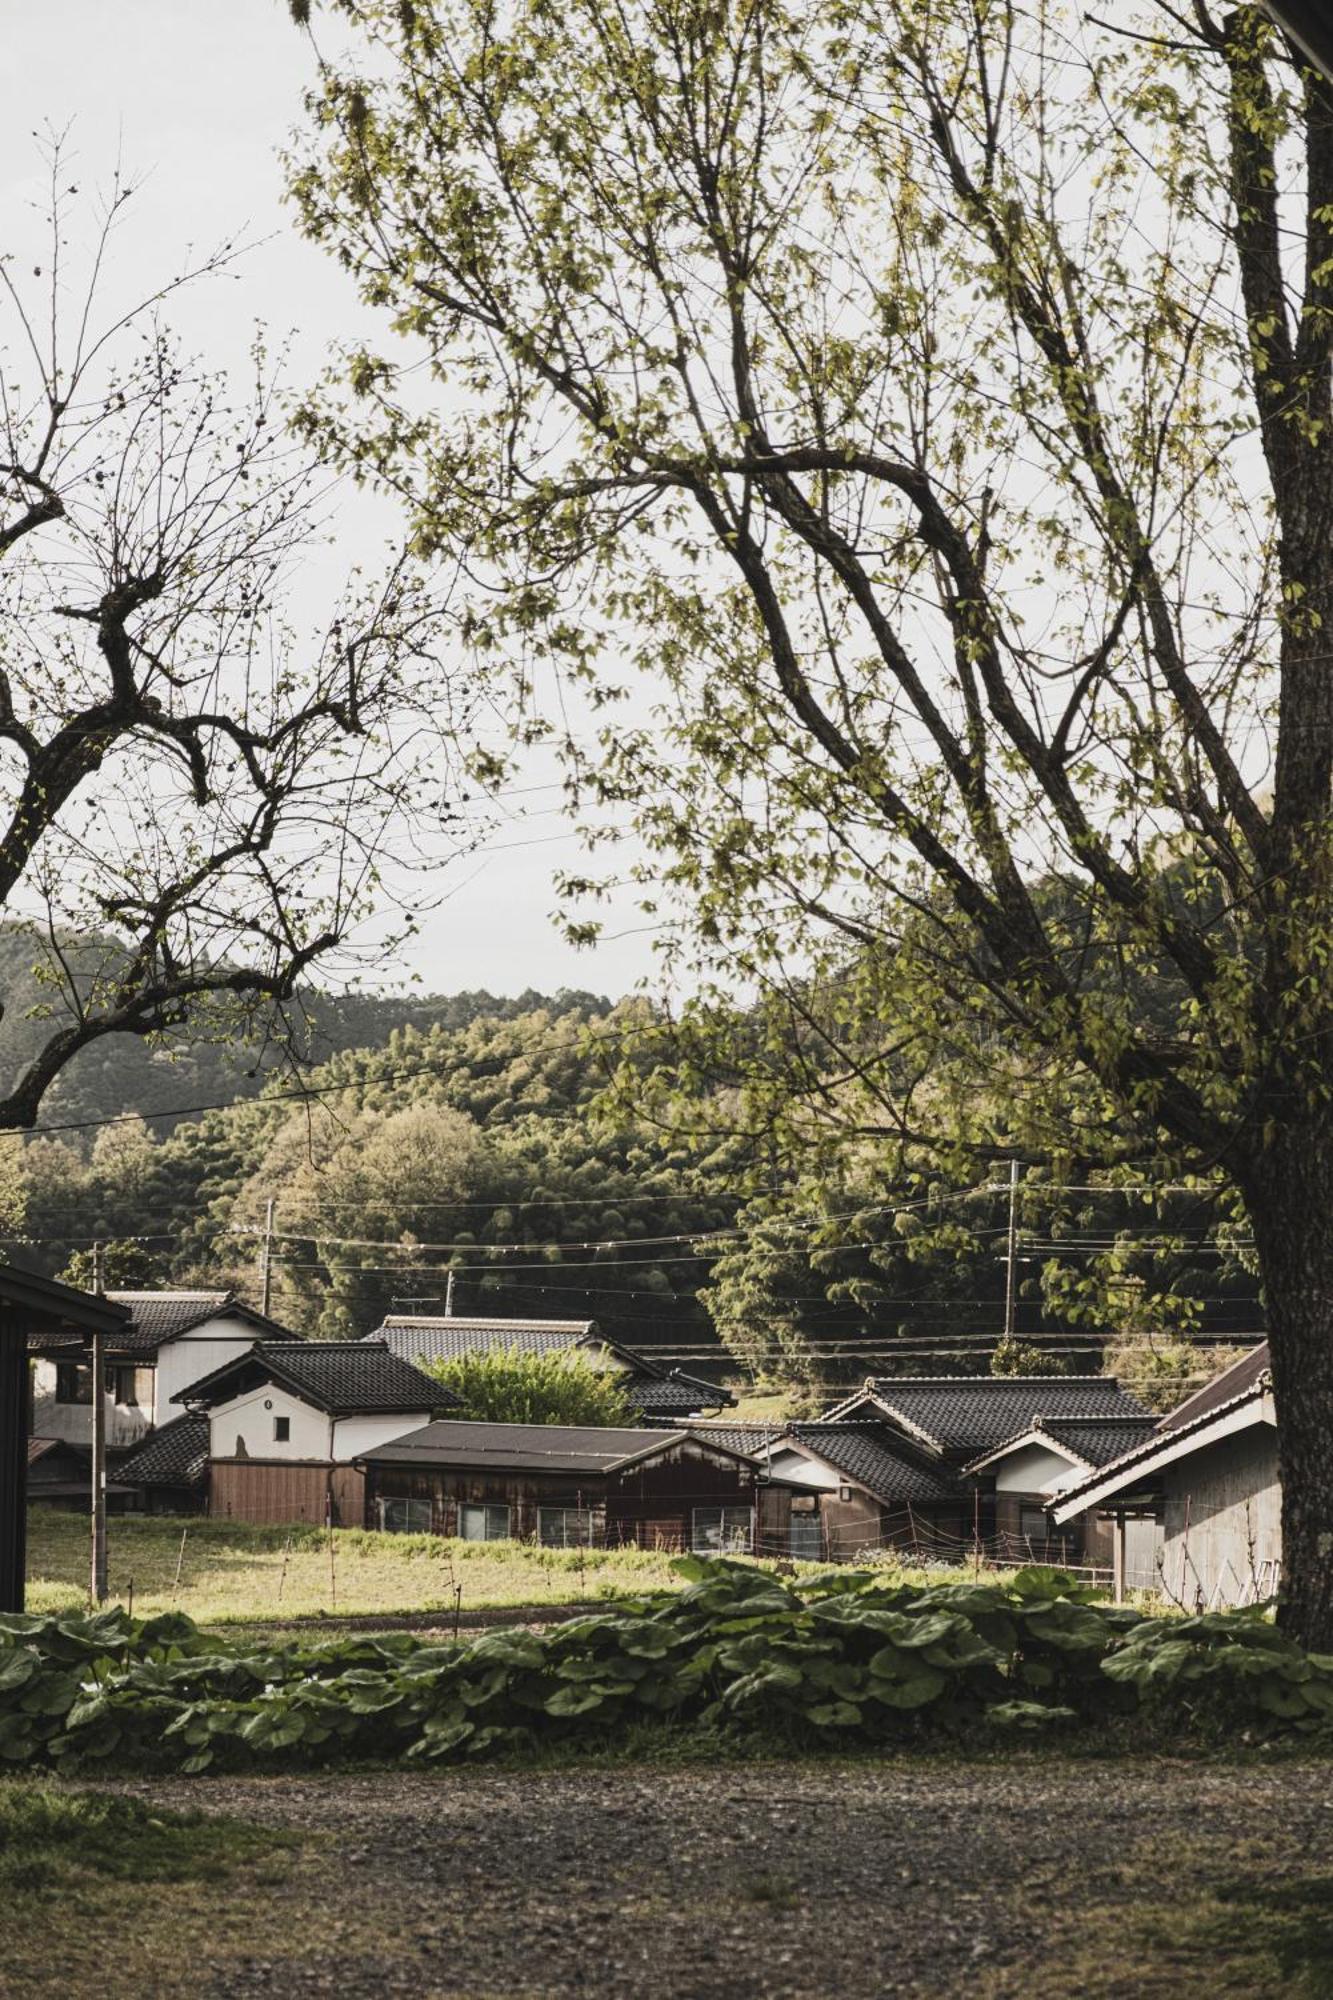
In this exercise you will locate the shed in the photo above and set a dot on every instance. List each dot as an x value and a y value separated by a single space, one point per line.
1209 1474
564 1486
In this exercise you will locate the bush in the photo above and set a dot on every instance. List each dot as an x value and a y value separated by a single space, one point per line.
561 1386
849 1656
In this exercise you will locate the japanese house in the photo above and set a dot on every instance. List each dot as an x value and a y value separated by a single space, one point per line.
287 1420
656 1394
1208 1473
564 1486
163 1342
834 1490
168 1472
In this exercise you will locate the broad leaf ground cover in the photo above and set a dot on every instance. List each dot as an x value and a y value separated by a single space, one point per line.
738 1651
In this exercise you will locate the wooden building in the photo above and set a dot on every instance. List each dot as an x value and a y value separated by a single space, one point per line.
832 1491
564 1486
1208 1474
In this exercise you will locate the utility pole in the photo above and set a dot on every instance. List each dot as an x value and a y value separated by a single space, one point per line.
98 1578
1011 1254
266 1265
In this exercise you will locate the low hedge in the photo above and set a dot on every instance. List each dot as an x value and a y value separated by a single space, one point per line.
847 1656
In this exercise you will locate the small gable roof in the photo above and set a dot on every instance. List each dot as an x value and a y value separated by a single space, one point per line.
174 1455
1085 1441
531 1447
344 1378
960 1416
871 1455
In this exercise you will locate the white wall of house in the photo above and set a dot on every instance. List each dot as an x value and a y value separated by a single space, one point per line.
181 1363
126 1423
1037 1469
353 1435
246 1427
803 1470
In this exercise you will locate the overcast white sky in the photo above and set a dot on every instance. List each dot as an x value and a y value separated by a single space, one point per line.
195 97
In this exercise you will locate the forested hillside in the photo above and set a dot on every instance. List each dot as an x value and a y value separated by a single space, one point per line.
481 1142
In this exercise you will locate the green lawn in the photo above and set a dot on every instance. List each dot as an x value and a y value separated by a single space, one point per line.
232 1571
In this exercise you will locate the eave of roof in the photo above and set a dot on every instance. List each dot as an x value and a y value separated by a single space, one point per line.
1252 1406
462 1443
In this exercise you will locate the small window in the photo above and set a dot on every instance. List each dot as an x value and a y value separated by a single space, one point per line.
282 1430
405 1517
721 1531
564 1527
484 1522
74 1382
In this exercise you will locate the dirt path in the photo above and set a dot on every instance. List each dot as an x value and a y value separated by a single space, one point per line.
1031 1877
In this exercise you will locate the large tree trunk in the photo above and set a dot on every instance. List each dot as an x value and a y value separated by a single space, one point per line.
1291 1207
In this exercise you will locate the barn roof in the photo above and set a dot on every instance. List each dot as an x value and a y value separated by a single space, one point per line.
344 1378
529 1447
1232 1381
960 1416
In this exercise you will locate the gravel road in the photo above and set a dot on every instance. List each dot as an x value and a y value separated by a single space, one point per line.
1033 1877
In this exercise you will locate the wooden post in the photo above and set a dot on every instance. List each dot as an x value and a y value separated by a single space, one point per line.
1011 1254
97 1580
266 1268
180 1558
1118 1557
13 1460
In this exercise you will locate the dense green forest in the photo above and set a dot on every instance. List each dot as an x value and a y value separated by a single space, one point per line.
519 1152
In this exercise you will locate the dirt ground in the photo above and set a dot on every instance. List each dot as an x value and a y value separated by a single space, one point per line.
787 1881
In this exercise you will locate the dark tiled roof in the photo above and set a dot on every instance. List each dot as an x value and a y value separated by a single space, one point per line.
675 1395
175 1455
1232 1381
871 1456
156 1317
523 1447
1097 1440
965 1415
746 1437
435 1338
342 1377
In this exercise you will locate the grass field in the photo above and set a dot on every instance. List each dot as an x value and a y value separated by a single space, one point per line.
232 1572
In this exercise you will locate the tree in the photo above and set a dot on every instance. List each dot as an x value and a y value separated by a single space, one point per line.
502 1386
124 1266
932 401
196 796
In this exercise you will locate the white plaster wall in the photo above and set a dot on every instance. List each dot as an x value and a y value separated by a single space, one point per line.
804 1471
73 1422
181 1363
250 1418
353 1435
1035 1469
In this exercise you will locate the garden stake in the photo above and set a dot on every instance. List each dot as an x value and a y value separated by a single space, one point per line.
180 1558
282 1575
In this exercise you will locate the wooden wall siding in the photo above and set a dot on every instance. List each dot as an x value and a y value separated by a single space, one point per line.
1224 1520
268 1491
651 1507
